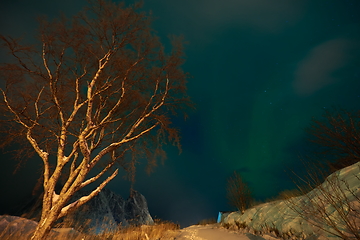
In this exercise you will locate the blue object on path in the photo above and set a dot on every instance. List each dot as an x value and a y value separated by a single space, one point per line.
219 217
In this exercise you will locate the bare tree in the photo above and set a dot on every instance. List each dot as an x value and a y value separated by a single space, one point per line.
338 136
99 91
238 192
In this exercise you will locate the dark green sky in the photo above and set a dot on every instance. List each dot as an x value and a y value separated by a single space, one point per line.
260 71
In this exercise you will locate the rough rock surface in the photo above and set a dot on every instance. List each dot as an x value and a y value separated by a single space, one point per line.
106 211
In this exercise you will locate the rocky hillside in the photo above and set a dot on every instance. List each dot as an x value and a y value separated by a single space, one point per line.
331 210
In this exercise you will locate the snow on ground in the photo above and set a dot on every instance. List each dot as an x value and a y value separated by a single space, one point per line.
213 232
280 215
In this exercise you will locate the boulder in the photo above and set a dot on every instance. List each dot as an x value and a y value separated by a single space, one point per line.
13 227
16 226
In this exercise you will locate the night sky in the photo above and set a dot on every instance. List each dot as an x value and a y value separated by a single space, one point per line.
260 70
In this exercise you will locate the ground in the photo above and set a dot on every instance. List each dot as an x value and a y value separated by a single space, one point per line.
215 232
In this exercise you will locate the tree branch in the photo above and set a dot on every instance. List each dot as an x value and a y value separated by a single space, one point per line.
65 210
102 63
18 119
45 62
93 179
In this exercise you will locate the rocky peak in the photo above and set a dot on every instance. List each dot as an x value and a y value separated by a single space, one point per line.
106 211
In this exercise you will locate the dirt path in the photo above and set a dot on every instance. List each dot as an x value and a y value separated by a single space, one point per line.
211 232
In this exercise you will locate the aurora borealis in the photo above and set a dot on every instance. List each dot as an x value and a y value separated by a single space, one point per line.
260 71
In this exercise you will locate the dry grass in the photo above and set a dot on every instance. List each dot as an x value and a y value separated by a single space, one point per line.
160 231
286 194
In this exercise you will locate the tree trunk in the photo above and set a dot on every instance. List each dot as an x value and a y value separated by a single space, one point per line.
44 227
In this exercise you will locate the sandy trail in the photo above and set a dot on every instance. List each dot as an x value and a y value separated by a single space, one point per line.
210 232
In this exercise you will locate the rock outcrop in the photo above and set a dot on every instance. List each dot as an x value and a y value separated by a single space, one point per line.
106 211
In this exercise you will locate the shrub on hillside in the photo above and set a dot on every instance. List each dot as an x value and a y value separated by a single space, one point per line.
239 193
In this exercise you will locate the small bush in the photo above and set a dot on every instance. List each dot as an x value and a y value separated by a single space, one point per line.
286 194
239 193
226 225
207 221
275 231
241 225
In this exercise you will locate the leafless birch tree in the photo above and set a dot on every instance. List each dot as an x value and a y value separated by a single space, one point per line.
239 193
99 90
